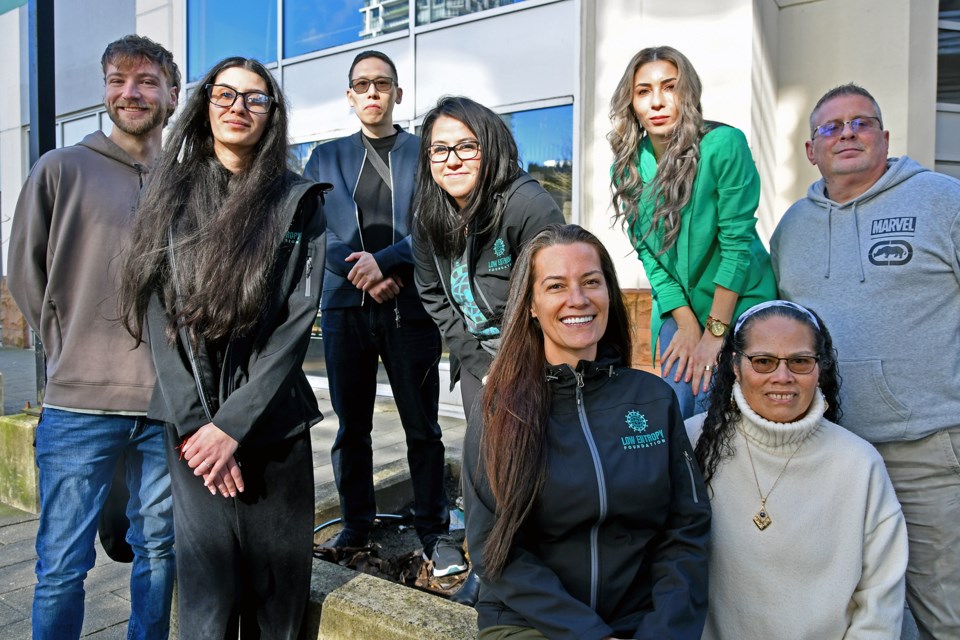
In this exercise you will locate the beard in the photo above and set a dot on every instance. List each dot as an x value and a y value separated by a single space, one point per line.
139 127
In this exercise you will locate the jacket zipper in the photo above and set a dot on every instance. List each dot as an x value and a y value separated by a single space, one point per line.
309 269
356 216
601 491
693 484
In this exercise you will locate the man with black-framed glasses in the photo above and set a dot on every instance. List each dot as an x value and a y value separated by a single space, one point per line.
874 248
371 311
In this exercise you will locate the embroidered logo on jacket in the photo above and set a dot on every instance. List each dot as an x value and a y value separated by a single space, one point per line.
291 237
887 251
637 422
501 262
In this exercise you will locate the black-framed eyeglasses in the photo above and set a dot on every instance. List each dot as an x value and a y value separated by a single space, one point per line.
765 363
835 127
467 150
382 85
224 95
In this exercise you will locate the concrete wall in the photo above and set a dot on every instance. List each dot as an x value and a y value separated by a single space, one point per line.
717 37
887 46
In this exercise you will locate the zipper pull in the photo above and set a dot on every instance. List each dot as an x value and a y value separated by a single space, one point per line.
579 377
396 315
309 275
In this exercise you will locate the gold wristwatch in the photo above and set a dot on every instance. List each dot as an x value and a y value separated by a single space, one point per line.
716 327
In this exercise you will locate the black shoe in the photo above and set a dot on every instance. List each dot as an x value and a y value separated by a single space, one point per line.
469 592
346 539
446 555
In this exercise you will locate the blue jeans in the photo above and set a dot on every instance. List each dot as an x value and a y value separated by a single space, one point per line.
77 454
690 405
353 341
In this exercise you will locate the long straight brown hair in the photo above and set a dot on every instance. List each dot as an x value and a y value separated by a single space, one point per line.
516 402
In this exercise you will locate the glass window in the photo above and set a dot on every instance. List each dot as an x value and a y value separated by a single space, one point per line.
76 130
429 11
300 153
948 53
319 24
545 141
217 29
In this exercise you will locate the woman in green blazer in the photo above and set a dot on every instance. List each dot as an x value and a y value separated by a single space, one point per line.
687 191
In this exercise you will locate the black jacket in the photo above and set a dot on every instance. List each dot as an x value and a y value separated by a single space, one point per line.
490 260
616 544
257 391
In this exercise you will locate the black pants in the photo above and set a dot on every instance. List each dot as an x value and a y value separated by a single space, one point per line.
244 563
353 341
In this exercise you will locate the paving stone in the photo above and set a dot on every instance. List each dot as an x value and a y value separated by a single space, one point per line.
17 631
20 599
19 531
16 576
9 615
116 632
17 552
103 612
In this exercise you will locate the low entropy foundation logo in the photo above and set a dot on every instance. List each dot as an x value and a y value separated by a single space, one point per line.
637 422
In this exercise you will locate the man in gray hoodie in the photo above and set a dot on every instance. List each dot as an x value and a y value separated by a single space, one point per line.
71 224
874 248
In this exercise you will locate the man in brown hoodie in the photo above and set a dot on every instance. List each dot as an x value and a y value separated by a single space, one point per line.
71 225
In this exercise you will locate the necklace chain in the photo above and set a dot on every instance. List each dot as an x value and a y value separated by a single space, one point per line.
762 517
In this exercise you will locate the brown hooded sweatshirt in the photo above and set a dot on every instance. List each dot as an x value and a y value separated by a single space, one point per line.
72 223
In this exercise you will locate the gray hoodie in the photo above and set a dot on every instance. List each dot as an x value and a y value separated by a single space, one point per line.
883 270
72 221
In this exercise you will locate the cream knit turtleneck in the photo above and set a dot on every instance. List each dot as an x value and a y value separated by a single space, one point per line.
832 562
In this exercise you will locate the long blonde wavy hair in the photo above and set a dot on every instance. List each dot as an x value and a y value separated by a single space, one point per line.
676 168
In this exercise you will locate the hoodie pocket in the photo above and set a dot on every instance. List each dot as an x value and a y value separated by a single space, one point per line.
869 407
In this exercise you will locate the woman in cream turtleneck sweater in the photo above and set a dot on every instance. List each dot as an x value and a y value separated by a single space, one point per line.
808 539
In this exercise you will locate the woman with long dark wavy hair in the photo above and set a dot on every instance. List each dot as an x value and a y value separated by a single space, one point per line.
475 209
586 515
803 510
687 190
224 278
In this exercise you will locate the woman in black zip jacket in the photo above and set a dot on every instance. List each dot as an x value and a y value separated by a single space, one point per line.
475 209
586 514
224 277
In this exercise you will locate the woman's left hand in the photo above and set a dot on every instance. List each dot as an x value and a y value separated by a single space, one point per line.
209 452
703 361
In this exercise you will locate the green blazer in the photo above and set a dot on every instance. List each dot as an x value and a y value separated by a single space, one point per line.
718 242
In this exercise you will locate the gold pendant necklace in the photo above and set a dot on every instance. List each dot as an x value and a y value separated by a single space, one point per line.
762 517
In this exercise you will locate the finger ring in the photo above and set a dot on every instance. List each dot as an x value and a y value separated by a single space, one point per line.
208 465
707 368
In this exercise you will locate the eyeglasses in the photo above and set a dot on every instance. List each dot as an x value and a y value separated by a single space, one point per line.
763 363
835 127
224 96
362 85
465 151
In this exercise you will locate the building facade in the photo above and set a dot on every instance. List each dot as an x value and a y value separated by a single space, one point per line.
547 66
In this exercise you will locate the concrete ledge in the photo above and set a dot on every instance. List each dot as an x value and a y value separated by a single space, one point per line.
346 605
19 476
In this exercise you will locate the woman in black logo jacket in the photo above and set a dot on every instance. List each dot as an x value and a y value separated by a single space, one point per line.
587 516
475 210
227 264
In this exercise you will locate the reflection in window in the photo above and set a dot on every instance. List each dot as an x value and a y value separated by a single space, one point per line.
545 141
436 10
217 29
300 153
948 53
319 24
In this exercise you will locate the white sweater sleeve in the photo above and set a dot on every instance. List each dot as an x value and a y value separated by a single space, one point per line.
879 598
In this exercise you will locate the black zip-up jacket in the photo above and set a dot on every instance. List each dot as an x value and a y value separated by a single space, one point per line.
616 544
490 261
257 391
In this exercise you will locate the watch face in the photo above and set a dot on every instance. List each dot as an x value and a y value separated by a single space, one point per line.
717 328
